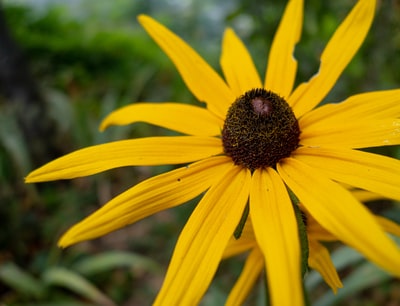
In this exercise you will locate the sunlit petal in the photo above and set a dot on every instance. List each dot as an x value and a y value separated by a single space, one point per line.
243 286
237 65
199 77
182 118
363 107
320 260
148 197
203 240
282 66
353 134
339 51
376 173
148 151
276 232
335 209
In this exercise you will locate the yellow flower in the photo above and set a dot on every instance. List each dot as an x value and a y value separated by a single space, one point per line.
252 142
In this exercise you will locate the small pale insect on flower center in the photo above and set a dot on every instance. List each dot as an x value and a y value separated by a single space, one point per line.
260 129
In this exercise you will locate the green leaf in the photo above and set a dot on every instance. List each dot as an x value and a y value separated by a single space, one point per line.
114 259
364 276
58 276
21 281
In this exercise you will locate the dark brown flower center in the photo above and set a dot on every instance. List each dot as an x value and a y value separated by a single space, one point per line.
259 130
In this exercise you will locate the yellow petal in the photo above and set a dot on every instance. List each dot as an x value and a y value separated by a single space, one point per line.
204 238
282 66
243 286
237 65
363 107
198 76
148 197
135 152
336 209
337 54
276 232
182 118
373 172
353 134
320 260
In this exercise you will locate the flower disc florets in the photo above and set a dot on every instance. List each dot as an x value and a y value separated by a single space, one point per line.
260 129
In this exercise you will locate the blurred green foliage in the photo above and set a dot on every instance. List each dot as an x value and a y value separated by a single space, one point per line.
94 58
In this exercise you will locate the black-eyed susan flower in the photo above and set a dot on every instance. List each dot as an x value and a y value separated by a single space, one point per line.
254 142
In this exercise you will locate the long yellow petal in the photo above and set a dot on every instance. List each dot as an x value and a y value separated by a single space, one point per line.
243 286
237 65
362 107
336 209
276 232
135 152
317 232
148 197
353 134
282 66
373 172
198 76
182 118
340 49
204 238
320 260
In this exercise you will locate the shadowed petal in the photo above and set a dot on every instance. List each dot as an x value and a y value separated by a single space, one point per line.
243 286
148 197
388 225
282 66
376 173
148 151
315 231
352 133
246 241
335 209
237 65
363 107
182 118
337 54
204 238
276 232
320 260
198 76
365 195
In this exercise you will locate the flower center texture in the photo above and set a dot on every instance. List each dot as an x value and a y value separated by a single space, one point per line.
260 129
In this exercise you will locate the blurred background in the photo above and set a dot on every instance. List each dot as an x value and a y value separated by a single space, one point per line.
64 65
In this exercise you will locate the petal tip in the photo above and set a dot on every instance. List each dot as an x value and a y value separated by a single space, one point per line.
142 18
66 240
32 177
103 125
